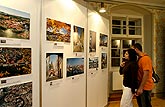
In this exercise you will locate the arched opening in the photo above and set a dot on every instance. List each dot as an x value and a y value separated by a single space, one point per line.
131 9
147 32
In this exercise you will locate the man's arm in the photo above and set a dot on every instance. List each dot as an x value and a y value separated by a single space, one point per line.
145 77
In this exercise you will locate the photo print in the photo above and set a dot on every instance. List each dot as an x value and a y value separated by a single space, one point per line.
16 95
15 61
75 66
92 41
54 66
103 40
14 23
57 31
103 60
78 39
93 62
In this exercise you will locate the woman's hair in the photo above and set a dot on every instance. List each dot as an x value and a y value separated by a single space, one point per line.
132 54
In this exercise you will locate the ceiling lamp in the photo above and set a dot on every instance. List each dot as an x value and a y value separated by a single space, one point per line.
102 9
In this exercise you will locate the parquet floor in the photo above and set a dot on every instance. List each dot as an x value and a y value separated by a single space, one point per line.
156 102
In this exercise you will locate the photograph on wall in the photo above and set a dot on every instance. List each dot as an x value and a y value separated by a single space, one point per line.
75 66
93 62
78 39
16 95
15 61
54 66
14 23
92 41
57 31
103 60
103 40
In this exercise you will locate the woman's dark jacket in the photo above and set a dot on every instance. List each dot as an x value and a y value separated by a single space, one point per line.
130 72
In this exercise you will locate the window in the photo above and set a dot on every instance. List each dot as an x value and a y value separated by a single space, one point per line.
135 26
126 26
118 48
125 31
119 25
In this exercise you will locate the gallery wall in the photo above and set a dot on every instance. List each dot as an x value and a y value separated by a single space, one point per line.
85 89
63 35
97 76
20 39
53 53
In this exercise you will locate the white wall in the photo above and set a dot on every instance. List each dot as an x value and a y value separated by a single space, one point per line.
33 8
65 92
97 80
85 90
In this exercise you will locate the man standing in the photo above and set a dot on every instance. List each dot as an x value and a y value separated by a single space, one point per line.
146 84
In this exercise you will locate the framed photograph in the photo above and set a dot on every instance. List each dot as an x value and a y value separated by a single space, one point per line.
15 61
103 40
14 23
103 60
92 41
93 62
75 66
78 39
17 95
57 31
54 66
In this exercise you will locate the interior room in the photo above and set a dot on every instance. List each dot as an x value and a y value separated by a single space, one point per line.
67 53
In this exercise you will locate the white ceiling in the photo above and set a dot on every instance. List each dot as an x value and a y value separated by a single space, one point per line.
146 2
160 3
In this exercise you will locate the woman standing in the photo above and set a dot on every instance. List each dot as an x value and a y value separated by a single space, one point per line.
129 70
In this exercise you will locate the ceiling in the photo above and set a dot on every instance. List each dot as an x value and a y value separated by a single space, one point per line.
157 3
117 6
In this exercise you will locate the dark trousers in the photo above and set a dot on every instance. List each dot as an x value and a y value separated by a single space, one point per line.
144 100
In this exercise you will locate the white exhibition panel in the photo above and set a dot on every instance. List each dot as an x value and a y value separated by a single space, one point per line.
97 79
103 77
33 8
67 91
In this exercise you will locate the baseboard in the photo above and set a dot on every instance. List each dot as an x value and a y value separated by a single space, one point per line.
117 96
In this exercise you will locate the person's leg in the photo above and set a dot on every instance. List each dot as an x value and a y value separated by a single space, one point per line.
126 99
138 98
147 98
144 100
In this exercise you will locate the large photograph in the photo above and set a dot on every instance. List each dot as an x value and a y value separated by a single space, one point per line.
78 39
75 66
16 95
93 62
103 40
54 66
15 61
14 23
92 41
57 31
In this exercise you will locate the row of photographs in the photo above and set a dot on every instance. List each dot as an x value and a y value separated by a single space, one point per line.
16 24
17 61
60 32
75 66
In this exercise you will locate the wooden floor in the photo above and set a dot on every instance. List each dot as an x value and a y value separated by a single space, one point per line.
156 102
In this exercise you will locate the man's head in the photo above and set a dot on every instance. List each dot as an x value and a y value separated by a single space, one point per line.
137 47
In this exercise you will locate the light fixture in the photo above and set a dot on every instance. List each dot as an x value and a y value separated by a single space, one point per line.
102 9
